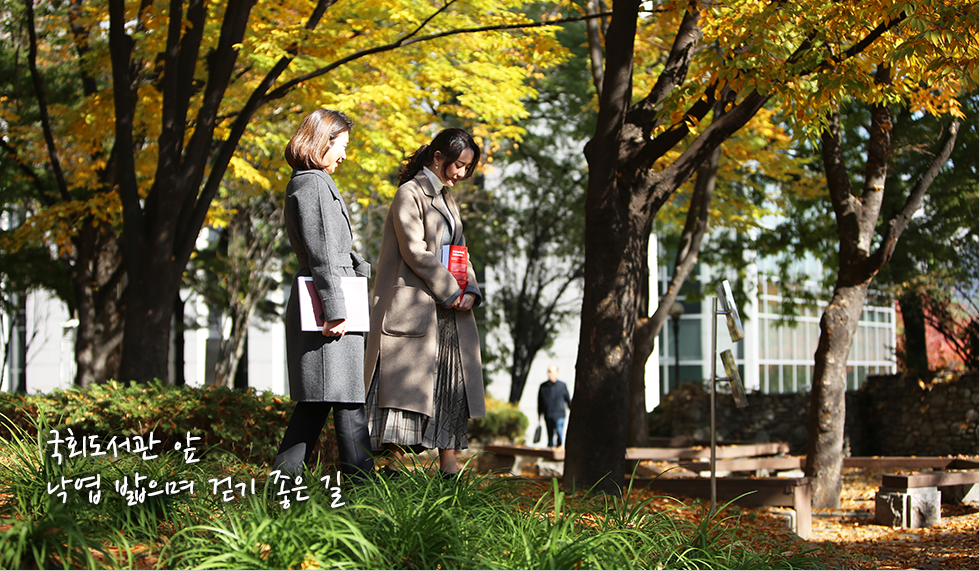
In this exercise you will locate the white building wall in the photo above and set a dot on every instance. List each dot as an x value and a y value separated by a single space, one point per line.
50 361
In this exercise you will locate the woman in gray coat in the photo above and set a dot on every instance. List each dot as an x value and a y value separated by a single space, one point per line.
423 351
326 368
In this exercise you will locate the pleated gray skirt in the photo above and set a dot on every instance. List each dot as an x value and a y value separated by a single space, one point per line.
446 429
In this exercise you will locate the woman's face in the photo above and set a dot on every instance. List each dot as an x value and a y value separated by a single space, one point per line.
456 170
337 152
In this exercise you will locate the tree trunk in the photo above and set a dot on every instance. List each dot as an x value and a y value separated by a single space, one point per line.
149 315
915 353
95 278
605 356
648 329
857 221
625 192
825 428
231 349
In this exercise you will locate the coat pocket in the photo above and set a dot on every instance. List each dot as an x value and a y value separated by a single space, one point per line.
409 312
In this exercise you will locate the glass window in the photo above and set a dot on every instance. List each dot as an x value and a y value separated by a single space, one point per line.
772 307
862 375
772 340
789 385
802 378
691 374
773 378
690 339
799 342
763 346
870 336
763 385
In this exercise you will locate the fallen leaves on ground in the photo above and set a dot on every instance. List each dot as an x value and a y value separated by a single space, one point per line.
849 538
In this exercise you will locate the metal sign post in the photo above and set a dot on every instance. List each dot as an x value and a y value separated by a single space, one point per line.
730 311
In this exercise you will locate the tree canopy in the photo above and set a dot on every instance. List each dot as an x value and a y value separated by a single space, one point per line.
135 113
805 58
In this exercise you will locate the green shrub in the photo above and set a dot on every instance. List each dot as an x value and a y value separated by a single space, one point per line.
246 424
504 421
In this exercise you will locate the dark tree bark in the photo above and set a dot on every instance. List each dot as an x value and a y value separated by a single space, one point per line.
857 218
914 354
95 276
95 269
159 230
254 238
624 195
648 328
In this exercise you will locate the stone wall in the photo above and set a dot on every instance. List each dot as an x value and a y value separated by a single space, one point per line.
889 416
928 416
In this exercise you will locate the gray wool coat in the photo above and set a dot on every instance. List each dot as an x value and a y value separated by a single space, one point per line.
411 281
318 225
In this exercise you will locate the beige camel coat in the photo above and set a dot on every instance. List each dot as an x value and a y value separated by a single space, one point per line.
411 280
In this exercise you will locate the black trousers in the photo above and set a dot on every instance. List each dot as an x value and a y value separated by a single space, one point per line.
305 425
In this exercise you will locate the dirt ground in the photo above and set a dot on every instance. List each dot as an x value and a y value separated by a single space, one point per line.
849 538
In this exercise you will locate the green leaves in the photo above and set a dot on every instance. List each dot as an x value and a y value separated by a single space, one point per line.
244 424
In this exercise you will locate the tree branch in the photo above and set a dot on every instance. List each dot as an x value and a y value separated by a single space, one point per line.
595 44
120 51
226 149
28 172
900 221
847 209
674 72
705 143
42 103
408 40
876 167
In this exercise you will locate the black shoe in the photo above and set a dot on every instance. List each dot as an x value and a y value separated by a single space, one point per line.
447 476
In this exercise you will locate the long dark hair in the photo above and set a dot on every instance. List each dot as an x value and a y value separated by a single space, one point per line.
450 143
314 137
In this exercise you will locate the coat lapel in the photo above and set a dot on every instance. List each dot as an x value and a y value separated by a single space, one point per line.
336 196
440 205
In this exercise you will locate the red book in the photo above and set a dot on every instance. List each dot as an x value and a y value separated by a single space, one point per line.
455 258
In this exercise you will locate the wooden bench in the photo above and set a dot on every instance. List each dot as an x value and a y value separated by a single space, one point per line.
799 462
779 492
556 454
665 453
793 493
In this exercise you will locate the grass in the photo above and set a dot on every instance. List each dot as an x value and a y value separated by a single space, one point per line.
413 521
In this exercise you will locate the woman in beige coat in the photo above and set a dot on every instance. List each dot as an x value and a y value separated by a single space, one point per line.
422 364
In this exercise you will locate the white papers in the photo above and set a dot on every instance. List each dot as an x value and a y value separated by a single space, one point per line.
355 298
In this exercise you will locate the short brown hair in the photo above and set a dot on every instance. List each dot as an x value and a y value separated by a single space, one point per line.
314 137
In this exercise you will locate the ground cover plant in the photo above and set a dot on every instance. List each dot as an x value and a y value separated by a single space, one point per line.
133 510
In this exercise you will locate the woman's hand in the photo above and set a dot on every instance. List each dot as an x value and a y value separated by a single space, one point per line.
335 328
465 302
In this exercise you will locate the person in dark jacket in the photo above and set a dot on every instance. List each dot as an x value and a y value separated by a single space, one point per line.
326 368
552 399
